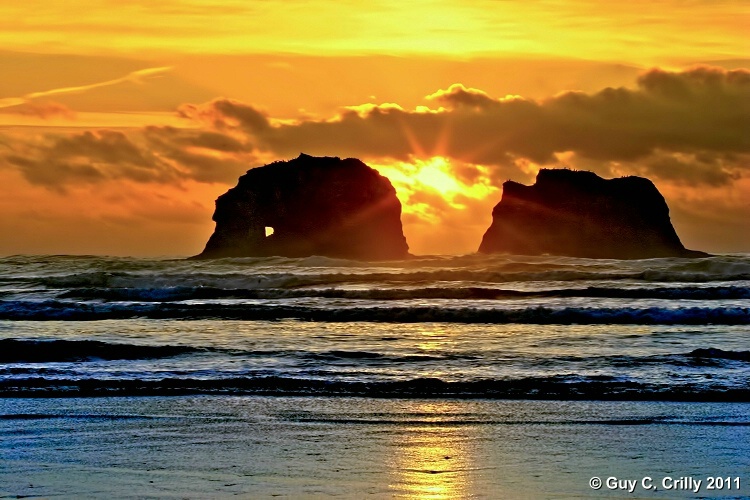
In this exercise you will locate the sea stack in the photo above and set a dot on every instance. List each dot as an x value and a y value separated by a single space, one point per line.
579 214
309 206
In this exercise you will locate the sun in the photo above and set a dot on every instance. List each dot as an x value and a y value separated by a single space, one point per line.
435 173
439 176
443 176
445 202
436 176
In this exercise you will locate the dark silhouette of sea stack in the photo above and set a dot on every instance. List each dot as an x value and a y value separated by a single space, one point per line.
579 214
314 206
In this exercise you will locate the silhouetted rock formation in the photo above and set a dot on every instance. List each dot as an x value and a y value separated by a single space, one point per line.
315 206
582 215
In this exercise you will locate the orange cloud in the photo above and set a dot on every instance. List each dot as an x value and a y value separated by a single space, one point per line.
44 110
137 76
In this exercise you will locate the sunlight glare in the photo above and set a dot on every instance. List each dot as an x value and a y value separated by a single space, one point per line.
434 174
436 177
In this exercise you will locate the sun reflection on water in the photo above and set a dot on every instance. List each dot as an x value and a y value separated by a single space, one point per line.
431 460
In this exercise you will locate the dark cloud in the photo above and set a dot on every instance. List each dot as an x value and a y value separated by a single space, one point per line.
194 152
102 146
53 172
197 139
699 110
690 127
151 155
87 157
703 169
227 113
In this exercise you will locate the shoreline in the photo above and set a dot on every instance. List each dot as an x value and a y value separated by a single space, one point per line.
220 447
743 398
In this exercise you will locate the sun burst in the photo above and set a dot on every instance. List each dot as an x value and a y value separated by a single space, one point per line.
435 174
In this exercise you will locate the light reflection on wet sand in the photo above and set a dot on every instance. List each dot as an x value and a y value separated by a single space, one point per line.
262 447
431 461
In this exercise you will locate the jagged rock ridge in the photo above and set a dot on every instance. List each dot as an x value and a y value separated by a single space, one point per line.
315 206
577 213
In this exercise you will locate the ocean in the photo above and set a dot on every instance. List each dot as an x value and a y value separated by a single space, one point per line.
434 377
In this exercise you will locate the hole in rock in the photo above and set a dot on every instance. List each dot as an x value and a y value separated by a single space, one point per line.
269 231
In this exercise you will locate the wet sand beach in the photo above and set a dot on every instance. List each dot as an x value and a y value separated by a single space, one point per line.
264 447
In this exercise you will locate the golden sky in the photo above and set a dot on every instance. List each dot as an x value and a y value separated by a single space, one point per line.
658 30
122 121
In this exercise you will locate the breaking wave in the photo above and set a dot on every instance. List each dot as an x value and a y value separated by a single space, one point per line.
42 351
62 310
257 280
460 293
556 387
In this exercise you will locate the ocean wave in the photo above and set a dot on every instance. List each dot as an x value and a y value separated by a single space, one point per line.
74 311
384 358
296 278
472 420
18 351
74 416
52 351
701 357
321 272
45 351
544 388
179 293
713 353
452 419
66 273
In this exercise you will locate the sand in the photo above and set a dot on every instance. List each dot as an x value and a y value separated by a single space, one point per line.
263 447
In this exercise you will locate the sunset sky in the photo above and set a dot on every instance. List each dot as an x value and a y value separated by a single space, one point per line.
122 121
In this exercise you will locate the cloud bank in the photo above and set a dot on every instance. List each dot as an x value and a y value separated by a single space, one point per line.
703 113
688 130
690 126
